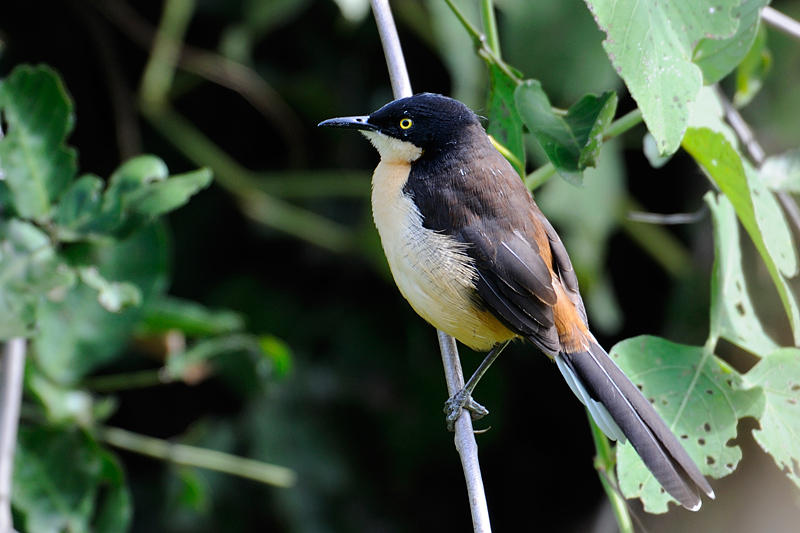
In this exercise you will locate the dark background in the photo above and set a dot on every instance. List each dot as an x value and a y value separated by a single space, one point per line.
359 416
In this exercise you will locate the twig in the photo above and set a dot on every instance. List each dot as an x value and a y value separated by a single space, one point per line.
604 463
668 220
747 138
778 20
12 369
185 455
220 70
464 437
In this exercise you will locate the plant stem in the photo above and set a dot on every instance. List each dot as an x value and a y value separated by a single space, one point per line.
778 20
604 463
464 437
662 246
490 26
160 69
185 455
243 183
12 370
126 381
623 124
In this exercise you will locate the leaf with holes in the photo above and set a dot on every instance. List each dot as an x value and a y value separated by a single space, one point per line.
571 141
732 313
766 227
505 125
701 399
779 376
651 44
34 160
717 57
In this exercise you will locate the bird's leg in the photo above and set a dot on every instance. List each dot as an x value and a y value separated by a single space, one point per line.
463 398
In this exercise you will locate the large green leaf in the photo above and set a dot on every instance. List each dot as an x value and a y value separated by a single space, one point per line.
779 376
757 210
29 269
701 399
716 58
170 313
36 164
76 333
139 191
572 140
651 44
732 313
63 480
505 124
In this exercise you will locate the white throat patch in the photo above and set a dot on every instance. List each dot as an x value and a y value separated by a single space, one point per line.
393 150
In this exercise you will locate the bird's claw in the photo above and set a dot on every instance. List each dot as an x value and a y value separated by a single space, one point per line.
462 400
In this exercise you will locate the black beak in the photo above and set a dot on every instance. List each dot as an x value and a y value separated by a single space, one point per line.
355 123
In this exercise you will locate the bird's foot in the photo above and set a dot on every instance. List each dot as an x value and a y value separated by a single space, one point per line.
462 400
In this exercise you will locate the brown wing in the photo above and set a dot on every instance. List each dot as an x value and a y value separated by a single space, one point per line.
478 198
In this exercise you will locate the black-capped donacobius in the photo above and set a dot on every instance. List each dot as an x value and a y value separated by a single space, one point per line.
476 258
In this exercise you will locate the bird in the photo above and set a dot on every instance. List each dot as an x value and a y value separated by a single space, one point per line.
474 256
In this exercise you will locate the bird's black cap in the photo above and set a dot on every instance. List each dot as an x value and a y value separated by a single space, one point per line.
426 120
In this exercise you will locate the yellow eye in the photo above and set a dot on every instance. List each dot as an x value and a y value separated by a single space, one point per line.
406 123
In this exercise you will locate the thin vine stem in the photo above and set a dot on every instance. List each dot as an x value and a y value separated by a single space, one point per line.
464 436
12 369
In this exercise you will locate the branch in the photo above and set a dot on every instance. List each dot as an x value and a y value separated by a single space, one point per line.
778 20
747 138
12 369
464 436
185 455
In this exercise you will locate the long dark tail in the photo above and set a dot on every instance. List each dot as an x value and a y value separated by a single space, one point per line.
602 386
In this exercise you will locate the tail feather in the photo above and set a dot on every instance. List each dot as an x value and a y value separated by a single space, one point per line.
601 379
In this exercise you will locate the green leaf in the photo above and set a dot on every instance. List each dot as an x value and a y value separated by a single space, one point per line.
115 509
34 160
139 191
162 197
112 295
716 58
752 70
170 313
732 313
62 404
701 399
747 194
277 353
76 334
29 270
651 45
782 172
779 376
505 124
570 141
207 349
59 477
79 210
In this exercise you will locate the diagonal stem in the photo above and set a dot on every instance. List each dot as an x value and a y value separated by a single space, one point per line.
464 436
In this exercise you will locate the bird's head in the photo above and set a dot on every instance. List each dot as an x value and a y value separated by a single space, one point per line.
406 128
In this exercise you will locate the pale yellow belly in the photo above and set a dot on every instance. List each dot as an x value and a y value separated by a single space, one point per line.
431 269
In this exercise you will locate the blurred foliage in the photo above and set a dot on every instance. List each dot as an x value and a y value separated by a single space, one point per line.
260 320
